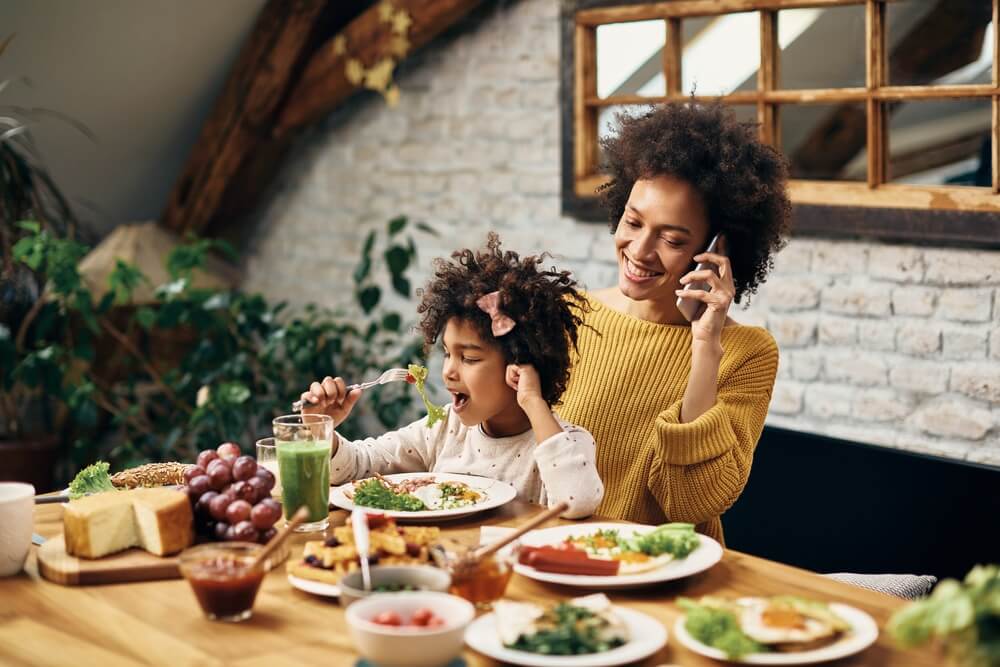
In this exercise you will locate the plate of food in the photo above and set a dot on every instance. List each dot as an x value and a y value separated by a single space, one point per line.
325 562
582 632
780 630
615 555
419 496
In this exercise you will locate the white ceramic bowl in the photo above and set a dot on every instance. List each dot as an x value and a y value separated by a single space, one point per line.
420 577
391 646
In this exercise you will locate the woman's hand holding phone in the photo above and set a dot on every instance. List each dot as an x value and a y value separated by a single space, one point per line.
712 310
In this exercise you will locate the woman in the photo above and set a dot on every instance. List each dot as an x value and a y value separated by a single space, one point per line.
677 407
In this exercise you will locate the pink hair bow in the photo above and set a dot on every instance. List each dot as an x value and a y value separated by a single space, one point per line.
490 304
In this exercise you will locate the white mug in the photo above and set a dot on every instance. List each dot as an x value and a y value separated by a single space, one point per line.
17 505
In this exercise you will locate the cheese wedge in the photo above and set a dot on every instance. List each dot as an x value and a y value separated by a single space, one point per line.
158 519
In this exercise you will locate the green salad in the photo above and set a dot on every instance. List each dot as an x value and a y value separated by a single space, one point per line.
676 539
372 493
568 630
435 413
712 623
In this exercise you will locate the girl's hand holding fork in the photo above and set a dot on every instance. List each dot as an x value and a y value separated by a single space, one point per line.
330 397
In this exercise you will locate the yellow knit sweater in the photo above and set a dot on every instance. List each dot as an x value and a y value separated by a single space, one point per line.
626 388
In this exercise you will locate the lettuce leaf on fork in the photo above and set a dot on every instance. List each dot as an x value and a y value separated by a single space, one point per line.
435 413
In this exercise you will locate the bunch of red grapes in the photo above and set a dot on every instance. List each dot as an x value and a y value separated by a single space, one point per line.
231 496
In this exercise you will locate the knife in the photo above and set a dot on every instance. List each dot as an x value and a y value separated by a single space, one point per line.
44 500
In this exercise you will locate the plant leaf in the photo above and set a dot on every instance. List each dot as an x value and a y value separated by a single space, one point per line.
397 258
362 270
424 227
396 225
401 285
366 250
369 297
392 321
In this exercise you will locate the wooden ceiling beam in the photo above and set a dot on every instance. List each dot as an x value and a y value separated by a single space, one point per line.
243 113
291 72
325 83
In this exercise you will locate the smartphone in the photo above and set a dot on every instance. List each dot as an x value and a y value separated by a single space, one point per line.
692 308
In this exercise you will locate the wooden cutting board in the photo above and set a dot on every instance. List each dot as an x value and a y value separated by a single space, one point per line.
132 565
126 566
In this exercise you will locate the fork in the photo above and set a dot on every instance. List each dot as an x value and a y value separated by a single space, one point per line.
391 375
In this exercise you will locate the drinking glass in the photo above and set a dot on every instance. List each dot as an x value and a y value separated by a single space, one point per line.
304 444
267 456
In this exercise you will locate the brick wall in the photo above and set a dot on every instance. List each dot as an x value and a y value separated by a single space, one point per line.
886 344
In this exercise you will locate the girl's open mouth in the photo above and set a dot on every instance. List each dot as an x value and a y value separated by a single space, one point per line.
459 401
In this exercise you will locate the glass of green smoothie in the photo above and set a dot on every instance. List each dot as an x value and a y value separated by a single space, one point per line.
304 445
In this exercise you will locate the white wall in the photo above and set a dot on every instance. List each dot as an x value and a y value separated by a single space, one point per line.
141 74
887 344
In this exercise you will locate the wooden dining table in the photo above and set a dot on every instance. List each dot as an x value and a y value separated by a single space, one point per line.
159 622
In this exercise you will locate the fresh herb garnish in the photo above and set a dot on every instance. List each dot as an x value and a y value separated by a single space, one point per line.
92 479
373 493
435 413
574 631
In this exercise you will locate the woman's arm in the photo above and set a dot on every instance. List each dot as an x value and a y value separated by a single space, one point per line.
700 466
706 331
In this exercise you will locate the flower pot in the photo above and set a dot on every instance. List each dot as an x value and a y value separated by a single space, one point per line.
31 460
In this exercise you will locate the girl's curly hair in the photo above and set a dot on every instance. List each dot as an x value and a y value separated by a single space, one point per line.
741 180
544 305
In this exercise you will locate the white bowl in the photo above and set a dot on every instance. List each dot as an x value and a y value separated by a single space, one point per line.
392 646
420 577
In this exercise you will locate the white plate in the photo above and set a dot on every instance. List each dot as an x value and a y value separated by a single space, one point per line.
648 636
863 634
314 587
497 493
699 560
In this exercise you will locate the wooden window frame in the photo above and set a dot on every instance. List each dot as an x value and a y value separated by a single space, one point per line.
948 215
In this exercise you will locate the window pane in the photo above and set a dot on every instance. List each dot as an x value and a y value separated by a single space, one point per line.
825 141
944 43
606 125
807 59
630 58
745 113
721 53
940 142
606 118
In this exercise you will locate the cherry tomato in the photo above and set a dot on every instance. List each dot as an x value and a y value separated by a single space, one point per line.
421 616
387 617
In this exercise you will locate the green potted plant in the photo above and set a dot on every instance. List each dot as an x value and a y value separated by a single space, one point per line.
28 440
251 359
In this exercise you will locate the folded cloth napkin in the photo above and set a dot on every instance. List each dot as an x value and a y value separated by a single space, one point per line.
490 534
908 586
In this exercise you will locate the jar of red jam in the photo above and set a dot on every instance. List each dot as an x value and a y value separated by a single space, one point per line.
223 578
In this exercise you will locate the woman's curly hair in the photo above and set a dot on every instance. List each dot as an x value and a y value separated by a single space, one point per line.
741 180
544 305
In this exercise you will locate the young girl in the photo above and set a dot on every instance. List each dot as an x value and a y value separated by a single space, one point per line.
506 328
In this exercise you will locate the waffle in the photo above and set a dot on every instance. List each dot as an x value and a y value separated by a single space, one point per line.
327 561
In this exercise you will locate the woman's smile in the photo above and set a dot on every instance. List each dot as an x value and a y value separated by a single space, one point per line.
638 273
